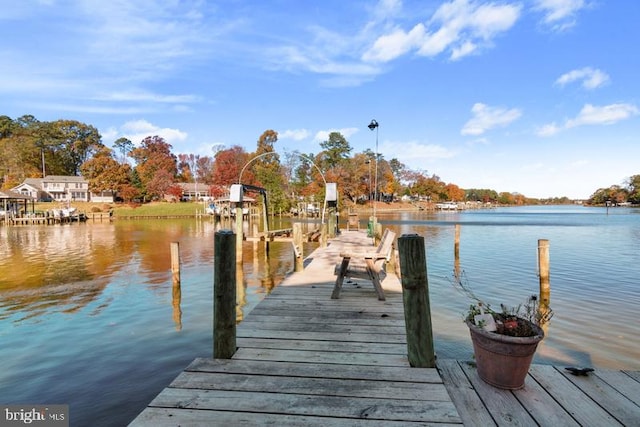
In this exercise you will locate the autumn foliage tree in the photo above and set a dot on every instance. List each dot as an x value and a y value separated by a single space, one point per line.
226 169
155 166
105 173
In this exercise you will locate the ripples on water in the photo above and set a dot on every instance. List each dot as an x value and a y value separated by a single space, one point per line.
88 318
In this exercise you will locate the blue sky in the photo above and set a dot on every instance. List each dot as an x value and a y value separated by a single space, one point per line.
539 97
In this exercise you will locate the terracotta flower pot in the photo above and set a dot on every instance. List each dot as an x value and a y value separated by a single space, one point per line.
503 361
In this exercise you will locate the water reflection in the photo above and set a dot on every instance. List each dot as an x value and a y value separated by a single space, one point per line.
64 268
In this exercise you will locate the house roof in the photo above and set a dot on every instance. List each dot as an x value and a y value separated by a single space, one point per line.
62 178
8 194
33 184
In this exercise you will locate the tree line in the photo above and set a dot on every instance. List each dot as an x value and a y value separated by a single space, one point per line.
150 170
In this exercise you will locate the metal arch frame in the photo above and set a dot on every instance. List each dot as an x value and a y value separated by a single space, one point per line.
324 205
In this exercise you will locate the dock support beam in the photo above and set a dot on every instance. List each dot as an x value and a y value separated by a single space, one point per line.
224 295
415 295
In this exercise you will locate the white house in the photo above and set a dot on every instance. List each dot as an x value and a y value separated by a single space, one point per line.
61 188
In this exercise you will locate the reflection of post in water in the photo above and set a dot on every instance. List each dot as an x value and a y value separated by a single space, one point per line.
176 292
177 310
267 280
456 252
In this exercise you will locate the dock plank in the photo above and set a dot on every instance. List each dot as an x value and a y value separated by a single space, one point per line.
574 401
308 404
317 370
472 410
165 417
309 385
503 406
610 399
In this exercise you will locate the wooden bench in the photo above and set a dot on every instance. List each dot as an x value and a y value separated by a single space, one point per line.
366 265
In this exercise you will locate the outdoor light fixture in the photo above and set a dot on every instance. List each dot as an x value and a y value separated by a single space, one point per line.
374 125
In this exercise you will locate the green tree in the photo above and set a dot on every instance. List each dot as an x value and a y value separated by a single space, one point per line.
336 150
74 143
633 188
269 172
124 146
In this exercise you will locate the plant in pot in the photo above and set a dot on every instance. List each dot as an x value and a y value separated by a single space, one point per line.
504 341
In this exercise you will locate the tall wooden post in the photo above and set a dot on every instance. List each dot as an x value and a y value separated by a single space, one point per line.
176 289
298 252
415 295
543 272
331 223
224 295
175 262
239 232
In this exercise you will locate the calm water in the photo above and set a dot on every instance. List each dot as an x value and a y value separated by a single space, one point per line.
87 316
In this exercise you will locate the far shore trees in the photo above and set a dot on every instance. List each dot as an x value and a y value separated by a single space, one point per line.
149 170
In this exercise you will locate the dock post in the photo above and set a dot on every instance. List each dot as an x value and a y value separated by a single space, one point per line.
543 272
176 289
239 232
415 296
175 262
297 247
224 295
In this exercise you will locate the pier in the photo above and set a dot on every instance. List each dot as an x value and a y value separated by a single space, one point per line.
303 358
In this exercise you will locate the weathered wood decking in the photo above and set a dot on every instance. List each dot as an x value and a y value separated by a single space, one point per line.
306 360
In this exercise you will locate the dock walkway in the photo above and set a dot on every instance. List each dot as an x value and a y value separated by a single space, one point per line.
304 359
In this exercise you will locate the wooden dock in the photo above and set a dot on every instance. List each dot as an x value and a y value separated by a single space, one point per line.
304 359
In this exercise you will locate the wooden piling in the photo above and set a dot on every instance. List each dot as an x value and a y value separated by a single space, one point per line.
239 232
224 295
297 246
543 272
415 296
176 289
175 262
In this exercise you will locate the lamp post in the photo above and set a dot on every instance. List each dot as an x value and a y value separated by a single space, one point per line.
368 162
374 125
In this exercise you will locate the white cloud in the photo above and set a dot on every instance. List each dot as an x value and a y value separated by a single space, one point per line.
395 44
591 78
295 134
460 26
415 154
486 118
323 135
606 115
559 14
144 96
137 130
548 130
593 115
